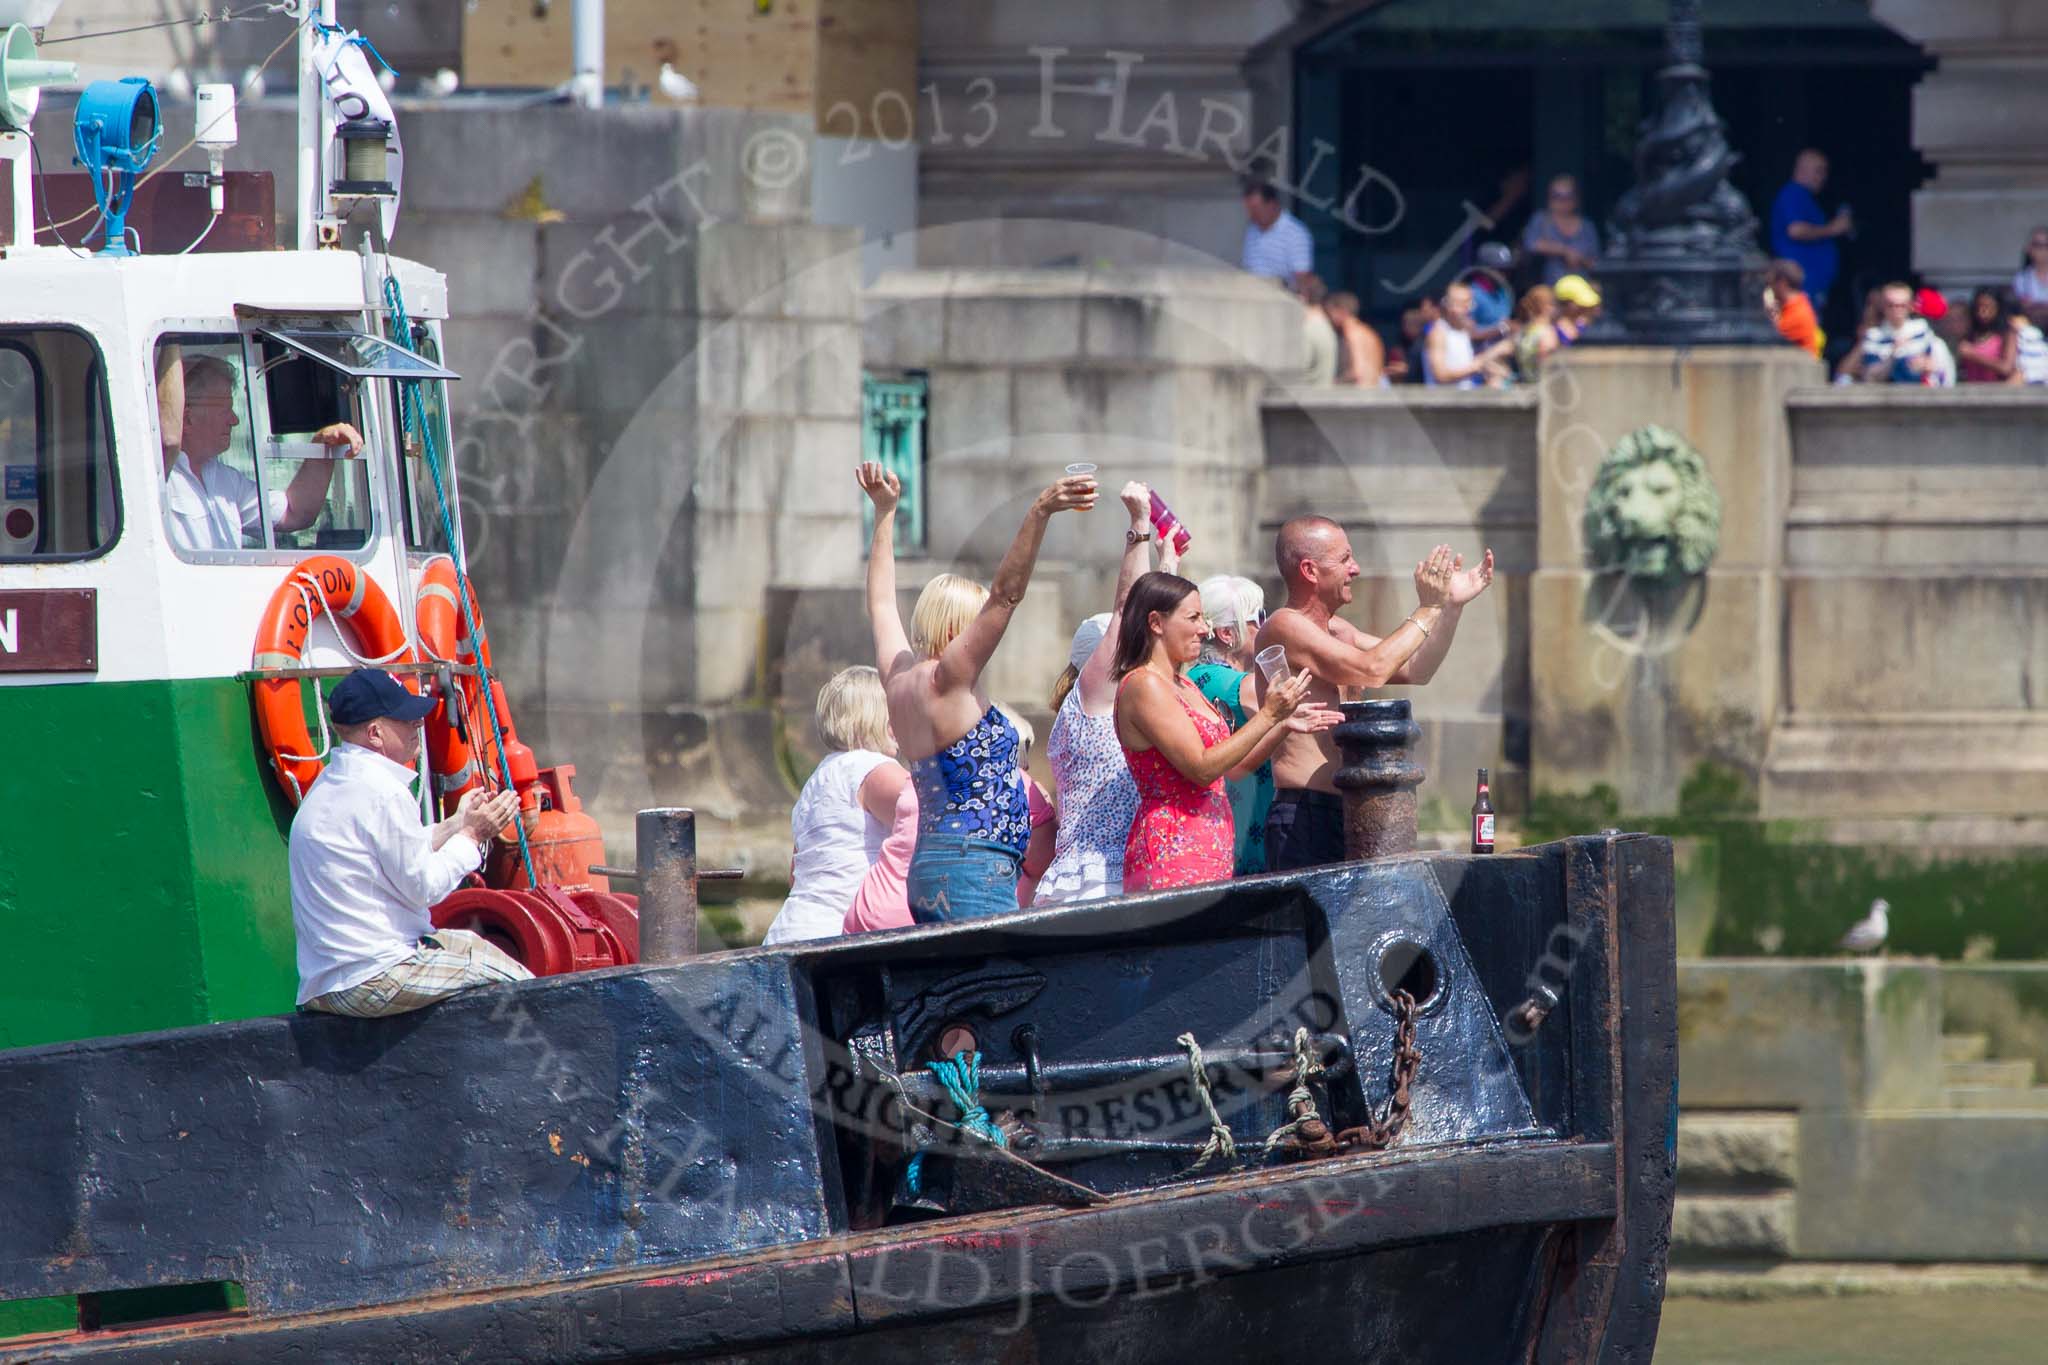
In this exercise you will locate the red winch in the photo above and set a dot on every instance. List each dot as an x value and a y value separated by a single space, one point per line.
550 930
561 917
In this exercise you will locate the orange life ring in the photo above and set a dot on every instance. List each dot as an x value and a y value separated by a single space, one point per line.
452 754
358 605
460 763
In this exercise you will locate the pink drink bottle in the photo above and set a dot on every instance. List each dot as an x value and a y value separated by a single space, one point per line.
1167 525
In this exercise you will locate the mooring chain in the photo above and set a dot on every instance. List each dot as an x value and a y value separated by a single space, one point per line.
1379 1131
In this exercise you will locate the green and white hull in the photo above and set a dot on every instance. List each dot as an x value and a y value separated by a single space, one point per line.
142 862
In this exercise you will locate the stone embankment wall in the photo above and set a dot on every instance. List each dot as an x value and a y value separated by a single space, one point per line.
1867 652
1860 1111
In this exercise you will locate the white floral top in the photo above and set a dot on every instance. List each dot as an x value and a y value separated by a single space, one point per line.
1098 801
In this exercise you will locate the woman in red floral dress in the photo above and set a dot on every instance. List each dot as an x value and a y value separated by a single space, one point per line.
1179 747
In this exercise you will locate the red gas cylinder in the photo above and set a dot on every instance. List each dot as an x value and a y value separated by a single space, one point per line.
564 842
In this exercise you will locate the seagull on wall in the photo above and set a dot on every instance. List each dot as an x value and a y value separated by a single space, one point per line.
672 82
1867 935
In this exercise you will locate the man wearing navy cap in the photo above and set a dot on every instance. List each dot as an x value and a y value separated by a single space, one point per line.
365 871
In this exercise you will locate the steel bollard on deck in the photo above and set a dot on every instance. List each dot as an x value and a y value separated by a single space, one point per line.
665 854
1378 777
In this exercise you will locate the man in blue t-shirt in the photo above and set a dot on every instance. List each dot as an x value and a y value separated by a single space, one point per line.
1801 232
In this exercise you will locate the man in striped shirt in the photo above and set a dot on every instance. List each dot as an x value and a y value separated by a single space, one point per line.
1903 347
1275 242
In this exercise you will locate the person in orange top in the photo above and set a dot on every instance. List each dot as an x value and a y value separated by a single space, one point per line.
1790 308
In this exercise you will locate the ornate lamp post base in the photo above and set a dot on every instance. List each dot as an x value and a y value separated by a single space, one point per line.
1708 298
1682 266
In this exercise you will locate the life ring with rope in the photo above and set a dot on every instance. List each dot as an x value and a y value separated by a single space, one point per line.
360 610
461 748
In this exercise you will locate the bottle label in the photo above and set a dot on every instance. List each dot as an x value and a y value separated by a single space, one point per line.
1482 828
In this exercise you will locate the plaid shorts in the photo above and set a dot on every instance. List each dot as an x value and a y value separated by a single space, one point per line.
447 961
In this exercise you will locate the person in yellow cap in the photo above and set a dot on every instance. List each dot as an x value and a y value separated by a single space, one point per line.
1578 303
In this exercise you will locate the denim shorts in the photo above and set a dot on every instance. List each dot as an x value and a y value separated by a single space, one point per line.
956 878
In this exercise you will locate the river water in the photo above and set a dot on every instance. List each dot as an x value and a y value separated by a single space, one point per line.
2008 1328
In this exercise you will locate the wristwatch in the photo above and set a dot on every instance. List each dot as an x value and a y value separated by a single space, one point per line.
1136 537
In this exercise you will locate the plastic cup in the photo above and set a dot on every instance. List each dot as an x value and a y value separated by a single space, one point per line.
1079 469
1272 662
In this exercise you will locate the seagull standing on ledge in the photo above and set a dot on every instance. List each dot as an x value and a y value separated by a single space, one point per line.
1867 934
672 82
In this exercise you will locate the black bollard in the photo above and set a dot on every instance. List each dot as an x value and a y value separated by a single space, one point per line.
666 856
1378 777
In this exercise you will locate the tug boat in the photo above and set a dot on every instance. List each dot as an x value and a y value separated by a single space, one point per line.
1414 1107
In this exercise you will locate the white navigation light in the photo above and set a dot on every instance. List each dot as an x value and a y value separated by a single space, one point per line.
362 161
23 76
365 159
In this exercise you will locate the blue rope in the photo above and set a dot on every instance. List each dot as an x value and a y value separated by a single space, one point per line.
415 421
962 1079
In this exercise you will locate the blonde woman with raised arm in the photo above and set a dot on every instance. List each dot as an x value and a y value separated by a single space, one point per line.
973 813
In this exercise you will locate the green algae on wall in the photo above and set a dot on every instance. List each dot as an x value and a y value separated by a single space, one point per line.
1780 891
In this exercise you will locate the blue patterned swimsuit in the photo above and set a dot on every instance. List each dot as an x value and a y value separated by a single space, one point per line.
972 789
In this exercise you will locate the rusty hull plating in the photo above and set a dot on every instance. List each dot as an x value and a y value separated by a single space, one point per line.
710 1159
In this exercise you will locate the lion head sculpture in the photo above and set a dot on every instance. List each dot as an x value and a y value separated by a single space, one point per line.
1653 513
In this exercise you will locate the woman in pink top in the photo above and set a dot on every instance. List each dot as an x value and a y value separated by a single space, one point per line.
881 902
1179 746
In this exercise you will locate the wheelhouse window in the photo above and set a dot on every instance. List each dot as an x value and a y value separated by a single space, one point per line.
258 467
60 499
423 418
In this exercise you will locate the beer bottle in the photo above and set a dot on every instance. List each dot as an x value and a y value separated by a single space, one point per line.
1482 818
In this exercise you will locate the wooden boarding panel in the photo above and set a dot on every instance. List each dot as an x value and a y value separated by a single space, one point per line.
170 211
740 56
867 59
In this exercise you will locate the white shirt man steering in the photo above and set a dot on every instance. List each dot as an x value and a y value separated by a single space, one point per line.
211 505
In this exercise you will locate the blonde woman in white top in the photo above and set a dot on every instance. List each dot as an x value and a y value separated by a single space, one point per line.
845 809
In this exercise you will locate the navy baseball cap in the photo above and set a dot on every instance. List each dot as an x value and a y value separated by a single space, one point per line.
369 693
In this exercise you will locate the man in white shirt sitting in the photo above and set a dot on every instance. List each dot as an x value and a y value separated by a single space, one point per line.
209 505
365 871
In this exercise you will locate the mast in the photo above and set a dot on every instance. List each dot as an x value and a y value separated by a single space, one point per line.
313 131
587 84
